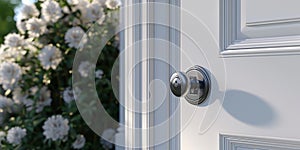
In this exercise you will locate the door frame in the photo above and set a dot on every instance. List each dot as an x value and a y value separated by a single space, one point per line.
137 84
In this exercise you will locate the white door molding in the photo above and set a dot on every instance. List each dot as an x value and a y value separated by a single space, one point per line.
230 142
140 68
241 35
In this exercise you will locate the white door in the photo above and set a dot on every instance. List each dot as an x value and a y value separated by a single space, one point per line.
251 50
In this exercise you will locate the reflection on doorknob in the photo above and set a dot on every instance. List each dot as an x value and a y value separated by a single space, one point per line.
194 85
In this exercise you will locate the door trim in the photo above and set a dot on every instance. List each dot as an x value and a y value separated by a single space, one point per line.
136 85
230 142
232 24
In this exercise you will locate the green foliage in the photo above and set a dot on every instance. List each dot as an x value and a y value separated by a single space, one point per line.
7 23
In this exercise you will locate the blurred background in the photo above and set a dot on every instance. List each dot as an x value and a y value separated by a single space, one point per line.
7 19
9 14
23 128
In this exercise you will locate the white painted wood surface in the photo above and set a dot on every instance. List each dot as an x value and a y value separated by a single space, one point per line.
262 76
246 26
271 10
146 107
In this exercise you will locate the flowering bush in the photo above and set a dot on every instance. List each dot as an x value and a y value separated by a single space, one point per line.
37 104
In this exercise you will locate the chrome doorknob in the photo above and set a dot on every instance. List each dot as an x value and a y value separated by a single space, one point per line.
178 83
194 85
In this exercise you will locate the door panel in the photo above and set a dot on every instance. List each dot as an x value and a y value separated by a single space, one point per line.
229 142
271 10
253 24
255 86
264 18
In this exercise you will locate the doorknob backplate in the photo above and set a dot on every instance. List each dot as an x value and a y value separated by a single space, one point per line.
199 85
194 85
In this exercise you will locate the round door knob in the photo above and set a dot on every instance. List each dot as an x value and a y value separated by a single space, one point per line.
178 84
194 85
